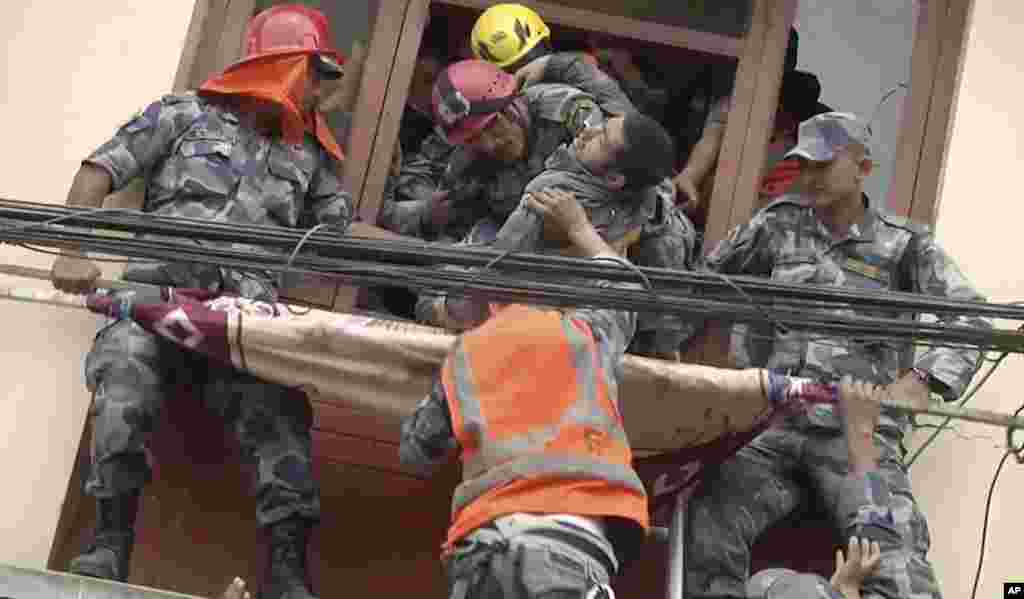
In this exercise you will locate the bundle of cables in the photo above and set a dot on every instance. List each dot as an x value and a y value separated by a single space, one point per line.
867 315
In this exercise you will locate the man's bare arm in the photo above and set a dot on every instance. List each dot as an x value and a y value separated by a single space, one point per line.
702 160
91 185
568 215
72 271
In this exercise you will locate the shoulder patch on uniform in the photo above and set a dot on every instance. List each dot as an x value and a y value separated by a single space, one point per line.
583 112
864 267
179 98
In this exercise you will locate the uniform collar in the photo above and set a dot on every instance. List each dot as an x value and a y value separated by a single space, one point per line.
862 232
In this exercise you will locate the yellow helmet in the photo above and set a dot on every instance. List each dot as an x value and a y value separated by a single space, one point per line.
505 33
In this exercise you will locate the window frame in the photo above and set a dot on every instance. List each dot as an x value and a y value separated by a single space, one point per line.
214 39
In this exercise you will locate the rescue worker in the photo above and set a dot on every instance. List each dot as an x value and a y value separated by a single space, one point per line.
248 148
435 195
664 241
832 235
504 144
515 39
619 172
549 502
864 495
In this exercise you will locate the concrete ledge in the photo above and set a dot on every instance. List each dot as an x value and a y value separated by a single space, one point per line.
22 583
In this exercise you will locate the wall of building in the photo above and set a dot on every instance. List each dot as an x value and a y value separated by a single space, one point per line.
979 223
73 73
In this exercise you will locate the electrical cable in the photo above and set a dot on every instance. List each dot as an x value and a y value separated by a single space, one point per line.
1019 451
511 288
695 294
963 402
422 254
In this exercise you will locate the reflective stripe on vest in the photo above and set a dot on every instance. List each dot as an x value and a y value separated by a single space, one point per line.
490 461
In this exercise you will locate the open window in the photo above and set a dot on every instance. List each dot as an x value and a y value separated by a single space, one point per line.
674 43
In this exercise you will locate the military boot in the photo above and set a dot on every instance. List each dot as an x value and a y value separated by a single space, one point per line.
288 542
109 553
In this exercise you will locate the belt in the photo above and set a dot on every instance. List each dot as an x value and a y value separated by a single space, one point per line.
579 543
594 545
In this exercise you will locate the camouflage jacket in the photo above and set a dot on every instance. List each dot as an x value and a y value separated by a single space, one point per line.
786 242
200 160
406 206
571 91
554 114
573 69
644 225
427 437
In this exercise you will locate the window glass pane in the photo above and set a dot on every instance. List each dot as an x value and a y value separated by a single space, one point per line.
860 51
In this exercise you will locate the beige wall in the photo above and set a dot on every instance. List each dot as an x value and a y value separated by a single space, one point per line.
980 220
73 73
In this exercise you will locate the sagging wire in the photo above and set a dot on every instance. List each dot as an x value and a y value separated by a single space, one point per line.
885 96
1018 453
38 250
371 270
963 402
289 266
389 251
57 220
999 444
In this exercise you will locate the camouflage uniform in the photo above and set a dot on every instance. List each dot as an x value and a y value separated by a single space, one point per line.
553 114
555 111
788 243
436 167
503 559
202 161
644 222
573 68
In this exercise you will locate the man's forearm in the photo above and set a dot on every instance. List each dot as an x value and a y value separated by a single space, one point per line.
704 155
90 187
590 243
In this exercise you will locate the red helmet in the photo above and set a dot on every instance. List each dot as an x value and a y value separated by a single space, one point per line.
292 28
468 96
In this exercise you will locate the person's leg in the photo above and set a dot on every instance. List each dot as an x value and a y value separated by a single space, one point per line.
904 571
129 372
744 497
272 424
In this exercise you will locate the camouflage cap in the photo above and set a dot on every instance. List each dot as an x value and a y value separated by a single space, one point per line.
820 136
779 583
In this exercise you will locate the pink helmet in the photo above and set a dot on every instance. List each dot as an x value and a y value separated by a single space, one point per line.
292 28
468 96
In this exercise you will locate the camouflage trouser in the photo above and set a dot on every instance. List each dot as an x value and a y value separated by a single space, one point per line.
668 242
131 373
758 487
533 568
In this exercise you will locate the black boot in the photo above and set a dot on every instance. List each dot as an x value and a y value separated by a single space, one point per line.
288 542
109 554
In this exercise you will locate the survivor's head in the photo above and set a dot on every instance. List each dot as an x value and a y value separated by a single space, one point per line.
835 156
474 106
631 152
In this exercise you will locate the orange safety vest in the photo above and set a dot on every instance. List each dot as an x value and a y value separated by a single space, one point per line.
537 423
